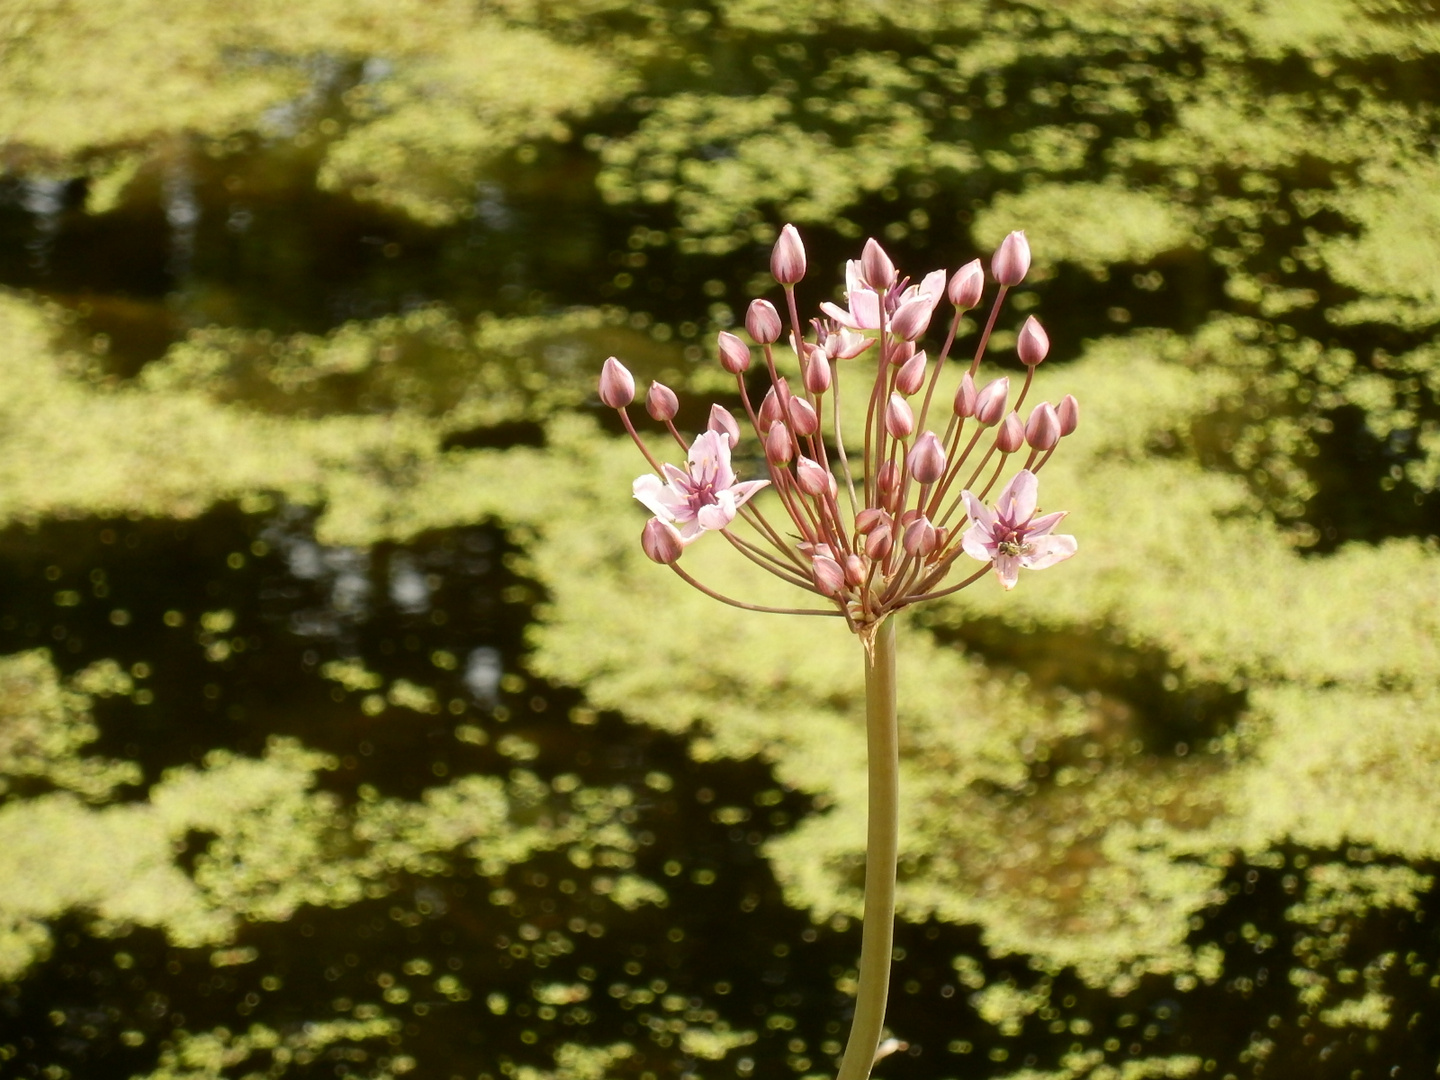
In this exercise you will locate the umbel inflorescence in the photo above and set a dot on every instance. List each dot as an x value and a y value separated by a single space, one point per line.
873 536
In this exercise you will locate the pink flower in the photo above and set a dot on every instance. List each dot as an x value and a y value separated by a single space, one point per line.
1012 536
864 312
704 497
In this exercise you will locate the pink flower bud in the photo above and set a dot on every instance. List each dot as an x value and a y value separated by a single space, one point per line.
967 285
779 446
813 478
734 353
965 397
762 322
899 420
941 535
919 537
868 518
1069 412
829 578
769 411
1011 435
787 258
1012 260
901 351
855 570
1033 344
888 478
721 419
817 373
990 403
912 318
876 267
803 417
617 385
660 542
927 459
1042 431
661 402
911 375
879 541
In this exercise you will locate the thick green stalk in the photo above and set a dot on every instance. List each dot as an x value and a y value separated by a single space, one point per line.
882 845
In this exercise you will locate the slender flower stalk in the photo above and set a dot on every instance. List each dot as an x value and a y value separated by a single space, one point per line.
912 505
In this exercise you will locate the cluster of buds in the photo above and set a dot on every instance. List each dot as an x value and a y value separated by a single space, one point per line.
874 539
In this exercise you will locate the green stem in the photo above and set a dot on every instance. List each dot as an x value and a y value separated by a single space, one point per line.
877 938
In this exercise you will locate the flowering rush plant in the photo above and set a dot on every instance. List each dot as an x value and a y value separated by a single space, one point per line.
865 538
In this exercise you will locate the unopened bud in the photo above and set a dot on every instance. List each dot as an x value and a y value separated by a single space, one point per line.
900 352
1012 260
734 353
855 570
1032 345
1011 435
912 318
779 446
812 477
879 541
617 385
829 578
721 419
967 285
1069 413
965 397
769 411
661 402
868 518
991 402
762 322
876 267
817 373
927 459
899 420
660 542
941 535
787 257
911 375
1042 431
803 417
919 537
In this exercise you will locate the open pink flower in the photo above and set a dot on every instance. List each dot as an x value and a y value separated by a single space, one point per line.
864 312
705 497
1011 536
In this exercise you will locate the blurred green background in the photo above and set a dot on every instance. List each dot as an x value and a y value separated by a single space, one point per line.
344 729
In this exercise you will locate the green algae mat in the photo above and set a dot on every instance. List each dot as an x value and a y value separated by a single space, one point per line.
345 729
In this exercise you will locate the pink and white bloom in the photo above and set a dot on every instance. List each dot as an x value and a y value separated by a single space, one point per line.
706 496
1011 536
864 311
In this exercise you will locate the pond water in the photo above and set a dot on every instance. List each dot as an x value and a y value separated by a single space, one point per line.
345 731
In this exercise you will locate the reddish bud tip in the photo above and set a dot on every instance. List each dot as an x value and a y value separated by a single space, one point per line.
927 459
660 542
1042 431
876 267
965 397
879 541
779 446
769 411
868 518
734 353
911 375
1069 413
990 403
617 385
661 402
967 285
912 318
888 478
899 420
919 538
762 322
1011 435
803 417
1012 260
829 578
812 477
855 570
787 257
722 419
817 373
1033 345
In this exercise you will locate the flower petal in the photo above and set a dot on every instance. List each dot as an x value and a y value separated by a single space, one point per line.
977 543
979 512
650 492
1007 569
719 514
745 489
1047 551
1016 504
1042 525
865 310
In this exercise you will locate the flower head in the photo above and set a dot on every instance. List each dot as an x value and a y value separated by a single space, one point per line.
1011 536
704 496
